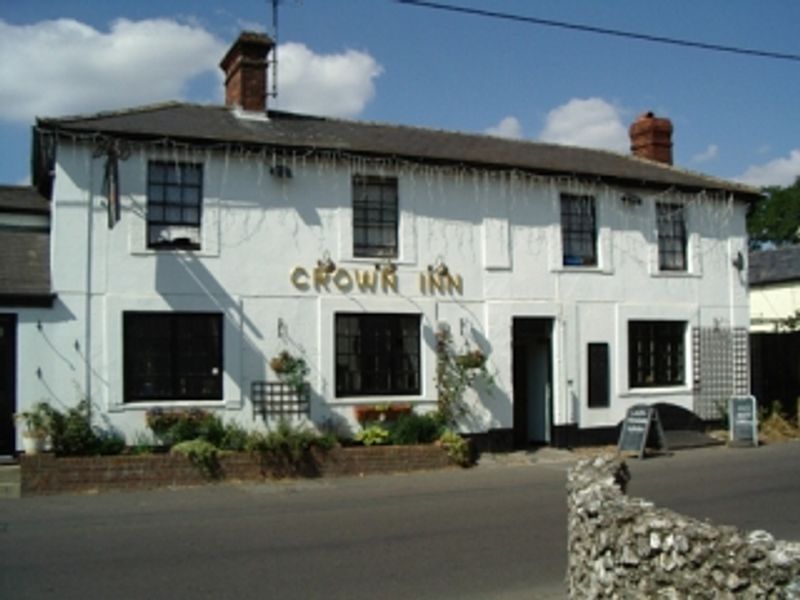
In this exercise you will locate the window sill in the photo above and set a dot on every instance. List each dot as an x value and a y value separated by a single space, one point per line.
144 405
677 390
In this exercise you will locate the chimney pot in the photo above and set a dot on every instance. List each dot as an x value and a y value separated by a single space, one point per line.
651 138
245 66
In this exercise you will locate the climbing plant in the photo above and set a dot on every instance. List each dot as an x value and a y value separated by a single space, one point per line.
455 372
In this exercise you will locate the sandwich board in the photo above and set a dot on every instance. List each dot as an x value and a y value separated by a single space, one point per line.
743 421
641 425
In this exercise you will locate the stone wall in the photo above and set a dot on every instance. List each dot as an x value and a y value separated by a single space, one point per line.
623 547
46 474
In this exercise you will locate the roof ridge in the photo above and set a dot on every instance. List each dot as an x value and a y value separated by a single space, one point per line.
144 108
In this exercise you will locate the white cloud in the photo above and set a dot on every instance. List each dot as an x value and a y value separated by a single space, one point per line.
590 123
509 127
781 171
62 67
325 84
706 155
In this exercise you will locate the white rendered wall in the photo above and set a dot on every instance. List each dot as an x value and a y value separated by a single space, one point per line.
500 233
771 304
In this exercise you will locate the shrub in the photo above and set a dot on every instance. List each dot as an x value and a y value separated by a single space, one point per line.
202 453
175 426
73 434
287 449
373 435
416 429
234 437
457 448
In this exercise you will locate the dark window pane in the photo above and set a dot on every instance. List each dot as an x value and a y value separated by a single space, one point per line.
671 225
598 366
578 230
172 356
375 216
656 353
377 354
174 197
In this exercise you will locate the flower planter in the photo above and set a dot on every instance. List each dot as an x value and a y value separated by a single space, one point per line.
371 413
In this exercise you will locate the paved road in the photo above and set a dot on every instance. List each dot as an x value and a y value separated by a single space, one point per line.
492 532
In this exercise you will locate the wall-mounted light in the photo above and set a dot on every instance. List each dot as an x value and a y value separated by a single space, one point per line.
387 267
738 261
326 264
283 329
439 268
281 171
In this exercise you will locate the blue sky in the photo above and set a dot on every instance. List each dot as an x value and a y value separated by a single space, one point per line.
734 116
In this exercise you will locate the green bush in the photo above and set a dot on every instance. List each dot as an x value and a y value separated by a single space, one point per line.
416 429
175 426
72 434
287 449
373 435
202 453
235 437
457 448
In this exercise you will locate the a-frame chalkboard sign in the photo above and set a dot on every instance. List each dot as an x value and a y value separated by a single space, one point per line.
641 428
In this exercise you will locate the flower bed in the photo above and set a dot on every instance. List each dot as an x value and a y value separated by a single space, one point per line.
47 474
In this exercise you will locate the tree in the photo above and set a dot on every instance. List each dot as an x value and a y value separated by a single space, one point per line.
776 219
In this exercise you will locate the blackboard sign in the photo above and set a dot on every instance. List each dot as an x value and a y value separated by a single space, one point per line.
743 421
641 425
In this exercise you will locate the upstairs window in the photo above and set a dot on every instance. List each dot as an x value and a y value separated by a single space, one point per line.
375 217
671 237
377 354
174 205
578 230
656 353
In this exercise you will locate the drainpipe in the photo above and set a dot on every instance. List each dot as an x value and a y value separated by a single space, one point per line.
88 303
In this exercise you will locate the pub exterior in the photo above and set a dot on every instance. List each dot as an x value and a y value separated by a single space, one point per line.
190 245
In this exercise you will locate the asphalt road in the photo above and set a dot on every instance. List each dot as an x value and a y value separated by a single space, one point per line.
492 532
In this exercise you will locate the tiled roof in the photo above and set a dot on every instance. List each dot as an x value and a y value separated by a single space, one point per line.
221 125
22 199
24 251
774 266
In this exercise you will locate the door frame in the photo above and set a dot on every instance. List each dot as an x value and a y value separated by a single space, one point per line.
8 406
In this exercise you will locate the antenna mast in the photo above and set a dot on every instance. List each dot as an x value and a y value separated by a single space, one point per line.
274 60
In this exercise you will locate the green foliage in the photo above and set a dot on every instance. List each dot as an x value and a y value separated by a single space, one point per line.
202 453
457 448
290 369
38 421
776 219
287 448
416 429
791 323
373 435
175 426
455 373
234 437
72 433
143 443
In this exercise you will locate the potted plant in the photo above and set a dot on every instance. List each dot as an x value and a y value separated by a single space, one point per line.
290 369
37 424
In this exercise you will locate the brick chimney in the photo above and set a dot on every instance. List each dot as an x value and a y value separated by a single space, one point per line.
651 137
245 66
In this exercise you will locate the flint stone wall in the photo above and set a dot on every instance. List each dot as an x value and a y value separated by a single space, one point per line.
622 547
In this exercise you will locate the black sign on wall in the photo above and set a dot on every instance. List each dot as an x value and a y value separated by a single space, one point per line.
641 429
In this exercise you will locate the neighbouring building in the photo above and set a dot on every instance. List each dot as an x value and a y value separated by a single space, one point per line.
774 279
191 244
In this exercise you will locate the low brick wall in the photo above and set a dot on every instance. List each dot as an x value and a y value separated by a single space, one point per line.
46 474
622 547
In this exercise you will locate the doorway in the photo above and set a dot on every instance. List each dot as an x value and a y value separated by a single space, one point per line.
8 381
532 381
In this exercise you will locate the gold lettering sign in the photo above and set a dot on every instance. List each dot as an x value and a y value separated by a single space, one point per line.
371 280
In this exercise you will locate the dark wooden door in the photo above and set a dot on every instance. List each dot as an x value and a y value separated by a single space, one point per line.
8 381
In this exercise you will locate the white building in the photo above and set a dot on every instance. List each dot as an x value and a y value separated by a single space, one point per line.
190 244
